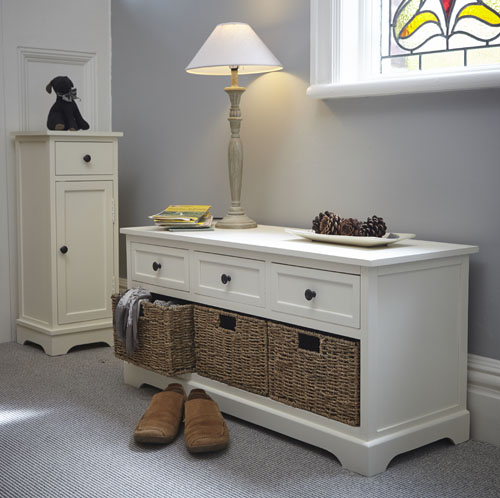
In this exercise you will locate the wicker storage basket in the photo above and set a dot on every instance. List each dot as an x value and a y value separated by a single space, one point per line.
231 348
166 339
314 371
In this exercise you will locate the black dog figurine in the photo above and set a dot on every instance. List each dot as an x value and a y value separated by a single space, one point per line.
64 114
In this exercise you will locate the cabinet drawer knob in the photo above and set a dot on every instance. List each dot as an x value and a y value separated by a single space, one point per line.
64 249
225 278
156 266
87 158
310 294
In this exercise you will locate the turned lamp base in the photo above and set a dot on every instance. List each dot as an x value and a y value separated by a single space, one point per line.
236 221
235 217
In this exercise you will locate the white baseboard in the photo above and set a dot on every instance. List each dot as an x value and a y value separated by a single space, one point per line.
483 398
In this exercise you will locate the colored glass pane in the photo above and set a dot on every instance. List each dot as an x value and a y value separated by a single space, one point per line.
483 56
480 12
417 22
443 60
462 40
447 4
432 28
494 4
394 65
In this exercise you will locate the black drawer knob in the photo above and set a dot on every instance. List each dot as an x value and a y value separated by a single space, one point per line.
225 278
64 249
310 294
87 158
156 266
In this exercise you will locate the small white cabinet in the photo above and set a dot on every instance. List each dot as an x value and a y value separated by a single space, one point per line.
405 305
67 195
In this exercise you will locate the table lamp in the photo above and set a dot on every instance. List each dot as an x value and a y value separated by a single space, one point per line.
234 48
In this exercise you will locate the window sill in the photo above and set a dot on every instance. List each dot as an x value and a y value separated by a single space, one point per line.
423 83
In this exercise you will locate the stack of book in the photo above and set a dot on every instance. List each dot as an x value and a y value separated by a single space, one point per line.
184 217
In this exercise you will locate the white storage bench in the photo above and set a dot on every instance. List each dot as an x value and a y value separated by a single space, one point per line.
405 306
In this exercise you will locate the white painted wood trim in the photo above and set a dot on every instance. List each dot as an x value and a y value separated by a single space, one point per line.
484 398
330 80
484 373
8 285
81 133
321 54
277 241
425 83
87 60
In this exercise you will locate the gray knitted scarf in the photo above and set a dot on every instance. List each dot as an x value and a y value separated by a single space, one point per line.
126 317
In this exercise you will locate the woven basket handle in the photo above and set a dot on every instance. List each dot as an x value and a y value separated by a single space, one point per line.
227 322
309 342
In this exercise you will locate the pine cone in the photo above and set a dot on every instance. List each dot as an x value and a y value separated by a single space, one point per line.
327 223
350 226
330 224
316 223
373 227
336 221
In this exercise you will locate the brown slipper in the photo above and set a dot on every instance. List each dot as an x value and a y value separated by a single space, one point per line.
160 422
204 427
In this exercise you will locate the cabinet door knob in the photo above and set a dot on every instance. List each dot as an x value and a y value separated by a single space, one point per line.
310 294
87 158
64 249
225 278
156 266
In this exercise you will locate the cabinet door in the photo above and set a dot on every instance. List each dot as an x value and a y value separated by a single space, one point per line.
84 214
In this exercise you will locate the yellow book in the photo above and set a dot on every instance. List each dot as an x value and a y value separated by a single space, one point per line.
182 213
204 222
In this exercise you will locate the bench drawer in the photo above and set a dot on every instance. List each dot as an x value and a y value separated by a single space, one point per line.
229 278
318 294
163 266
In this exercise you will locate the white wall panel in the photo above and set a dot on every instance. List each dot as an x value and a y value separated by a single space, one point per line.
5 277
37 67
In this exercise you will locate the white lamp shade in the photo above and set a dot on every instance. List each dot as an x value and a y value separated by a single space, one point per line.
233 44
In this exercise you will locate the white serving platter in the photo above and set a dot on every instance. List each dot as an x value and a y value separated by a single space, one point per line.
387 239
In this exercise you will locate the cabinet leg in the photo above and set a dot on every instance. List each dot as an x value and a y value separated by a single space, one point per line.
56 345
375 456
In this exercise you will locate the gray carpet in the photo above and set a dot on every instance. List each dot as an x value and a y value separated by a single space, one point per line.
66 427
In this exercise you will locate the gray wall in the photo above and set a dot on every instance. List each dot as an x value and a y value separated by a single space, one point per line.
429 164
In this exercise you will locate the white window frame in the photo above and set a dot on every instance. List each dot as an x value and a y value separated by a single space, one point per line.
345 57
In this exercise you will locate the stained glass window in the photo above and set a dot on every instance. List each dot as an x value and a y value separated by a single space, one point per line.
435 34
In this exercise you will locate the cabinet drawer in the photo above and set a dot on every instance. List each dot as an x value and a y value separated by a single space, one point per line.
163 266
318 294
84 158
240 280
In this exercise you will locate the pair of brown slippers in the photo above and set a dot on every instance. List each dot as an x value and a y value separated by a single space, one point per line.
205 429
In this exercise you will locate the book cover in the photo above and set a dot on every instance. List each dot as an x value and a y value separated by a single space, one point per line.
182 213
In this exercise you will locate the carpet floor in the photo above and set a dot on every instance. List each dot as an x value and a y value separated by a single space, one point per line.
66 426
